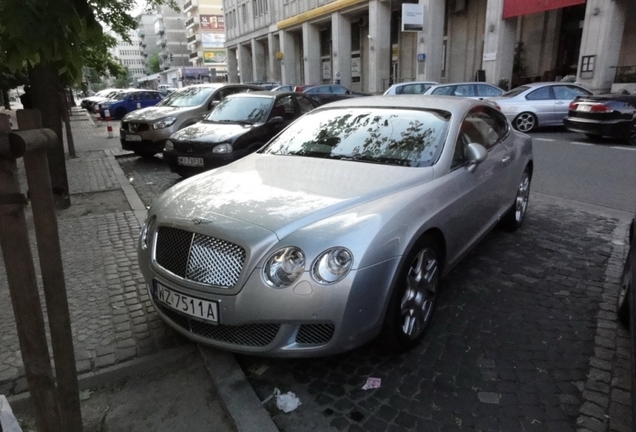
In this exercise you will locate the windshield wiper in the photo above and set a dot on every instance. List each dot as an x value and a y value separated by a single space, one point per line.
241 122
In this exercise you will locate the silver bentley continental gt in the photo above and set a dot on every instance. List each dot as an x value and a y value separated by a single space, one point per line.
338 230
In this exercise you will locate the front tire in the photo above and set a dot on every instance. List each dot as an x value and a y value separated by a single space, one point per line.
414 297
514 218
632 134
622 305
593 137
525 122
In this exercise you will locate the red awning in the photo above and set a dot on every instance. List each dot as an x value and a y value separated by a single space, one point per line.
513 8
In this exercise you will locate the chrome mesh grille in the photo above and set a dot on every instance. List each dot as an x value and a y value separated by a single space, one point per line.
256 335
315 333
214 262
199 258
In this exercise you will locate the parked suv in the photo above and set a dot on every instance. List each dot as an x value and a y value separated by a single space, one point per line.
145 131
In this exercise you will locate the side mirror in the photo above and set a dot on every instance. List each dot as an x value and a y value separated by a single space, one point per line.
275 120
476 154
213 104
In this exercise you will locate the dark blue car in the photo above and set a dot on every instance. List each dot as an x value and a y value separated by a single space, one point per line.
129 100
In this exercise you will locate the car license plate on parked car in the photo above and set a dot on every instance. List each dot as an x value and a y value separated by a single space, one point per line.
584 108
133 138
194 307
190 161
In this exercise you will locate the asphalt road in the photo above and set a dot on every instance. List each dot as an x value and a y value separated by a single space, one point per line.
569 165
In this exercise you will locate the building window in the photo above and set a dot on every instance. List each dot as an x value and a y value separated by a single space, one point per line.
254 10
587 66
266 5
244 9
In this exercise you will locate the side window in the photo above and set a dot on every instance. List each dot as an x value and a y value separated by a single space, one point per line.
444 91
459 156
338 90
567 92
305 105
485 90
285 108
480 127
413 89
465 90
543 93
136 96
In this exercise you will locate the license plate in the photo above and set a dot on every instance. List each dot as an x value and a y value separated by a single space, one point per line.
190 161
133 138
203 309
584 108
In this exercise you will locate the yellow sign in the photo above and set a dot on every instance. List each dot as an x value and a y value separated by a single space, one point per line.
279 55
216 56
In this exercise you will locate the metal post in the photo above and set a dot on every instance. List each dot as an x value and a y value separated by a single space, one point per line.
48 241
18 261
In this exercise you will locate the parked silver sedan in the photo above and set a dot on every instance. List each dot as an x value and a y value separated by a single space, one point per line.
339 229
473 90
538 104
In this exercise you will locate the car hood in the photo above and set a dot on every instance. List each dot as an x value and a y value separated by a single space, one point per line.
284 193
155 113
210 133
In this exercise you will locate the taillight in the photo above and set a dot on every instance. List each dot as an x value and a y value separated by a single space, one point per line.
600 108
573 106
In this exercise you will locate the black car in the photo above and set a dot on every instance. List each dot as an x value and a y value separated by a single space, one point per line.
330 92
612 115
238 126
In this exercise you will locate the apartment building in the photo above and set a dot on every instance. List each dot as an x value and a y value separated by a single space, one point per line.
205 25
147 37
170 28
366 44
129 55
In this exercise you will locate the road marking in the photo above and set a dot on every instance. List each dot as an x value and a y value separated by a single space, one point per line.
580 143
544 139
624 148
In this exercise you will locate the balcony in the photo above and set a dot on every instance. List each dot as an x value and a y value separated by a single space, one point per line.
194 55
141 32
194 21
159 27
189 5
194 38
159 42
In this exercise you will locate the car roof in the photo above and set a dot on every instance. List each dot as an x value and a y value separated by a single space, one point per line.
443 103
263 93
414 82
543 84
464 83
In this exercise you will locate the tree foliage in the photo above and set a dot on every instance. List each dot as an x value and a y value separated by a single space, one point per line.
154 63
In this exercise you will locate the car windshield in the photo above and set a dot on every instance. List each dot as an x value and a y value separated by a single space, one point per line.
515 91
191 96
241 110
119 96
405 137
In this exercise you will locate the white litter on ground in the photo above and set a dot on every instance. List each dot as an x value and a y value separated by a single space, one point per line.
8 422
372 383
287 402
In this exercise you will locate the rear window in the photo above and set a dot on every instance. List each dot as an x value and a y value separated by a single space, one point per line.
192 96
404 137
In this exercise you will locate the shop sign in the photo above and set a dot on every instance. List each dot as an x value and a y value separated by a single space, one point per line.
214 56
355 67
326 69
513 8
412 17
212 22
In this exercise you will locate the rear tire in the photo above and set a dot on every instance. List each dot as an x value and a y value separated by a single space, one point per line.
414 296
593 136
622 305
525 122
514 218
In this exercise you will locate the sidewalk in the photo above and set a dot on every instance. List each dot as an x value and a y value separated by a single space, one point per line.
115 328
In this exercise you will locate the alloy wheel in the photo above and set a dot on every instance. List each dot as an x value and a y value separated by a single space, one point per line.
417 303
523 193
525 122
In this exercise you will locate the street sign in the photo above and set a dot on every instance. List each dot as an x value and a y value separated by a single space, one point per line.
421 57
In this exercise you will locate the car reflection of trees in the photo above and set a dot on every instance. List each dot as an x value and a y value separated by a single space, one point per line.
382 143
234 110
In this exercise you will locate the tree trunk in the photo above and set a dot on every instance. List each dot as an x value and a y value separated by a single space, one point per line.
45 85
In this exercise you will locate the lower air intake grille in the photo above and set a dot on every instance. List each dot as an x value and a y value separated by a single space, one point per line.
255 335
315 333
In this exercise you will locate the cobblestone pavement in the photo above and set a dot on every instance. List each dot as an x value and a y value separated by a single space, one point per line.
111 315
524 338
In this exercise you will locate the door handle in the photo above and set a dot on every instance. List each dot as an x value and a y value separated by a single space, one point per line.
505 159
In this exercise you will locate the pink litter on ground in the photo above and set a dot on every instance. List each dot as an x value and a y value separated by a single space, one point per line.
372 383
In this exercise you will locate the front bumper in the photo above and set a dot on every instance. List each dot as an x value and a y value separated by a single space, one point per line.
611 128
303 320
151 139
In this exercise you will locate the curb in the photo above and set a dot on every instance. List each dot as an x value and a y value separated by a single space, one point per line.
114 373
237 397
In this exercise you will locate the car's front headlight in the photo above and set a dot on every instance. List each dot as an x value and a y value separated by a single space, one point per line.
144 236
284 266
169 146
164 123
223 148
332 265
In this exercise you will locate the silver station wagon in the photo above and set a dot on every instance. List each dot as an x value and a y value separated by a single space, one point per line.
338 230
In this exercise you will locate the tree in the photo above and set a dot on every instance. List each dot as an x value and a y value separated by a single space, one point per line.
154 63
122 80
55 39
